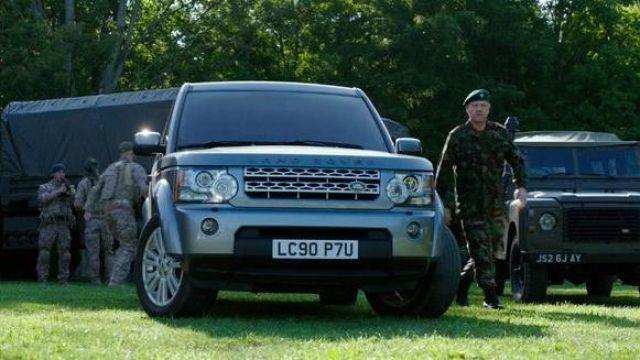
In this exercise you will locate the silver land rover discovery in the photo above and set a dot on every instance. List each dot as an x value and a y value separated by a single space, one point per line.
289 187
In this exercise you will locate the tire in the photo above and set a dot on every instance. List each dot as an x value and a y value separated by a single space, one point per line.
502 274
343 297
600 285
163 288
435 291
528 281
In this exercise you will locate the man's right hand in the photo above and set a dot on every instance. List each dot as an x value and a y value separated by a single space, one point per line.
447 216
87 216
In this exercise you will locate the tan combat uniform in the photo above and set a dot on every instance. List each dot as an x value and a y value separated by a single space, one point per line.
97 238
117 193
56 219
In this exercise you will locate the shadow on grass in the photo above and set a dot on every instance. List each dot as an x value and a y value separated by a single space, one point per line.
586 318
77 295
297 316
311 320
612 301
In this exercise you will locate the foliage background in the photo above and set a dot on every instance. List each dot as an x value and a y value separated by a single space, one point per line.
556 64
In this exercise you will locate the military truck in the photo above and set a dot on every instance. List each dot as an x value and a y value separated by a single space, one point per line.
37 134
582 221
289 187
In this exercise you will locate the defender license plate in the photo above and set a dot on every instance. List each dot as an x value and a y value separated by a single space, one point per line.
314 249
559 258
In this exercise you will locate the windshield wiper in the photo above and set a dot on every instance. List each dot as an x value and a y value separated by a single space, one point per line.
555 174
322 143
597 174
210 144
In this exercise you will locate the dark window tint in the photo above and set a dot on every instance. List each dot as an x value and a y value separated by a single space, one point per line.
277 117
541 161
609 161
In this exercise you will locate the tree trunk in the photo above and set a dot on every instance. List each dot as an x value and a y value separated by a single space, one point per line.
38 9
69 20
122 45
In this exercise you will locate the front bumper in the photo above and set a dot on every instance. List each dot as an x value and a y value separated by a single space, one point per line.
351 224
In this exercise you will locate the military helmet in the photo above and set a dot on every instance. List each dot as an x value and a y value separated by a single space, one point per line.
57 167
91 166
125 146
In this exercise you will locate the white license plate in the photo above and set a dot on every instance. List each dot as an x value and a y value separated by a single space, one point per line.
314 249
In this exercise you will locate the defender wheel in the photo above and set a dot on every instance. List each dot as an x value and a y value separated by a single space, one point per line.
528 281
163 288
434 293
339 297
600 285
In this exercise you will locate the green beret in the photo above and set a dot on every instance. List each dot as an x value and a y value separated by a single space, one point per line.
477 94
125 146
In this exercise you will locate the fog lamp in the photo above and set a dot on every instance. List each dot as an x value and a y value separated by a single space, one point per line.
209 226
414 229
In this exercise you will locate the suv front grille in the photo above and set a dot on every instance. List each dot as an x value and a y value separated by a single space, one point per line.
605 225
311 183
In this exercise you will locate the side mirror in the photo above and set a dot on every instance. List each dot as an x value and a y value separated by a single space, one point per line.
147 143
408 146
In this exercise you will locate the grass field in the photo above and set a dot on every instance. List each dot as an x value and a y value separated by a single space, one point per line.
81 321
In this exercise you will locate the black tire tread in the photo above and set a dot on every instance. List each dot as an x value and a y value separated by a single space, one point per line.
534 286
600 285
436 291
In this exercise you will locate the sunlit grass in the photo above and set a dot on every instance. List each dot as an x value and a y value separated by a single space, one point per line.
81 321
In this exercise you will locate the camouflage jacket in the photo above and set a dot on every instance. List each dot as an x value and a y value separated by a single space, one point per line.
124 181
469 176
56 207
82 192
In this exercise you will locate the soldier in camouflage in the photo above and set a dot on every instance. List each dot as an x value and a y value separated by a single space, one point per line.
117 193
56 219
469 179
98 240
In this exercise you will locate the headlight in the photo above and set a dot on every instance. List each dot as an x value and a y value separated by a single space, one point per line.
411 189
547 221
203 185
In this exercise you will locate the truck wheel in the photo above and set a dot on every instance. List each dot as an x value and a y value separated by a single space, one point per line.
600 285
502 274
163 288
528 281
434 293
339 297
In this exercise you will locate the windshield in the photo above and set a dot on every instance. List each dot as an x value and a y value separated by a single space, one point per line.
231 118
618 161
609 161
541 161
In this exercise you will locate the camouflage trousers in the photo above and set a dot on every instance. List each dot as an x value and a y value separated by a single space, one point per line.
463 250
483 236
51 234
99 245
122 224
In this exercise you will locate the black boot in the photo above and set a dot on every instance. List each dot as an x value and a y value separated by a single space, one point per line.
491 299
466 280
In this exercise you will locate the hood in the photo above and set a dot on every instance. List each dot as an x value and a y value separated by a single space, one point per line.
587 196
296 156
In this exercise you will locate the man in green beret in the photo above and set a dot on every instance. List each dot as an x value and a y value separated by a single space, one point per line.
469 179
